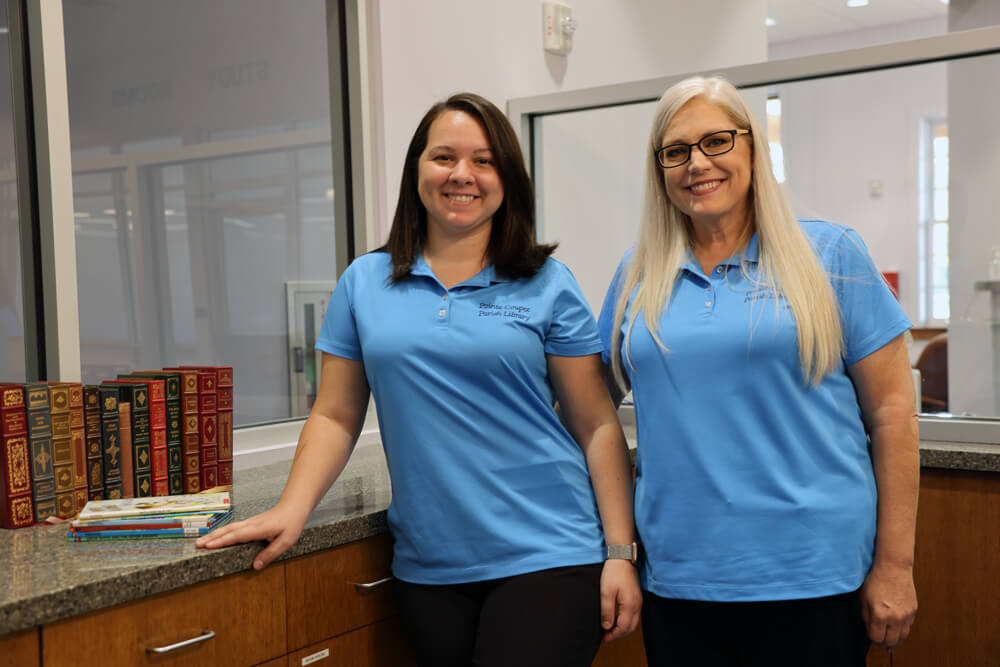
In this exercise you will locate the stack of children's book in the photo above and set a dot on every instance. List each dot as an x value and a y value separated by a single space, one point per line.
187 515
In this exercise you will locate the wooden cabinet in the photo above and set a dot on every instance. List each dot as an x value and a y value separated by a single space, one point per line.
381 644
335 591
246 613
624 652
956 571
20 649
339 601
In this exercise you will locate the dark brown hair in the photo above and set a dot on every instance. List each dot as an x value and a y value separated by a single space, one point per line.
512 246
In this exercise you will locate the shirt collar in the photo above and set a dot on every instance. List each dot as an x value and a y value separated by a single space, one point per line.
484 278
750 254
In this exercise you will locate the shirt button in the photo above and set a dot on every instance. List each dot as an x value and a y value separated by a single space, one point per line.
445 297
718 269
441 313
708 304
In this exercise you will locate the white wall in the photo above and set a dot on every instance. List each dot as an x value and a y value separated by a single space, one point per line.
430 49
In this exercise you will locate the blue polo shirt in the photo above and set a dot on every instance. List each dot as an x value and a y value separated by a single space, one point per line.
486 481
750 484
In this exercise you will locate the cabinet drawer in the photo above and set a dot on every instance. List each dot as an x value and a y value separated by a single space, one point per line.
20 650
323 597
380 644
245 611
625 651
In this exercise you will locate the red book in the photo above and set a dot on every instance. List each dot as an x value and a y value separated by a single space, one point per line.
225 402
157 432
208 424
16 508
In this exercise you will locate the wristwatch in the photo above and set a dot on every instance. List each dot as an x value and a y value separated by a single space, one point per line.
629 552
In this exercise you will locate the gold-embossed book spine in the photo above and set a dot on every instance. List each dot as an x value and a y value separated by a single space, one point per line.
16 507
39 422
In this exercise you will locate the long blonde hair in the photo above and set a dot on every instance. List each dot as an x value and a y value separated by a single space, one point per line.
787 263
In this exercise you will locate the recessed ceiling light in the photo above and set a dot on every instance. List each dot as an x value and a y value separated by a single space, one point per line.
769 22
857 3
945 2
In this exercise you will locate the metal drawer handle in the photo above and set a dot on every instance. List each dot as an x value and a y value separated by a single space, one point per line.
204 637
373 584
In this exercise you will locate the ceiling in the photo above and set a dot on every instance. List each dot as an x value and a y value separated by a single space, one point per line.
798 19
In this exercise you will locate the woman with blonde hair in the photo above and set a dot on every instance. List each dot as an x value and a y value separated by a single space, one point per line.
777 465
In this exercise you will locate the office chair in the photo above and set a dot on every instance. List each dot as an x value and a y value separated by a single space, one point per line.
933 366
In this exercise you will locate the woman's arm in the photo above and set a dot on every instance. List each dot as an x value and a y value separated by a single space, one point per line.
325 444
614 391
884 384
592 421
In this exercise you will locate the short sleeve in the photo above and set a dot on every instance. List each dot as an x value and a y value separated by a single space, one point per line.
606 321
870 313
339 333
572 331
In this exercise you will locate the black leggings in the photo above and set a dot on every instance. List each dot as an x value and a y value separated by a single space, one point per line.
819 632
550 618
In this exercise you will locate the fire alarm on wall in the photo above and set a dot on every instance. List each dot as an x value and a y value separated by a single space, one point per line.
558 27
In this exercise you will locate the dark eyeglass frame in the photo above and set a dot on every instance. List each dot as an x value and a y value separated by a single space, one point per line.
660 152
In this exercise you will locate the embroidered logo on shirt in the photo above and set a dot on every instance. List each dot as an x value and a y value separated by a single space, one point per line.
508 310
759 293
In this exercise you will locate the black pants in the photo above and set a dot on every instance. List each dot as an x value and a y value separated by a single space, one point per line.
550 618
815 632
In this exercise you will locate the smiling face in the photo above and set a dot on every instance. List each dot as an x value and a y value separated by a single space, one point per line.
457 179
710 190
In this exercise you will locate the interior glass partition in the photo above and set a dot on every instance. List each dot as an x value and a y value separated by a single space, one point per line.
205 175
12 324
903 153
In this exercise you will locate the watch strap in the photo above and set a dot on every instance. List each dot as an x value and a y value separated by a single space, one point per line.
629 552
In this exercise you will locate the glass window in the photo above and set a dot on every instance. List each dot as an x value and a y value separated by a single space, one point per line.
12 352
203 184
858 149
774 137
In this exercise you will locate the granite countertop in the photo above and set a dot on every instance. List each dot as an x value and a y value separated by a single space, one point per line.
960 456
50 578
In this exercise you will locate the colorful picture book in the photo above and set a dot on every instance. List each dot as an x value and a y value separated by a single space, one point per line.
187 515
149 528
131 507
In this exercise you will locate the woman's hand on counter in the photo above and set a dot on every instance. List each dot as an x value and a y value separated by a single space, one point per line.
621 598
279 526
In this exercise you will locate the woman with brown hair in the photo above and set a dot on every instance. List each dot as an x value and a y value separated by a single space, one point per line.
513 529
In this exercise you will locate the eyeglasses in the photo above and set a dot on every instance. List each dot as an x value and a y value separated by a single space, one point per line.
711 145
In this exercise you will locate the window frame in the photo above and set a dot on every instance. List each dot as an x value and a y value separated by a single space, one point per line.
45 170
926 223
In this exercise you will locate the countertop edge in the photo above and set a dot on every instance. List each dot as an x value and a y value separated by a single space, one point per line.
206 566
